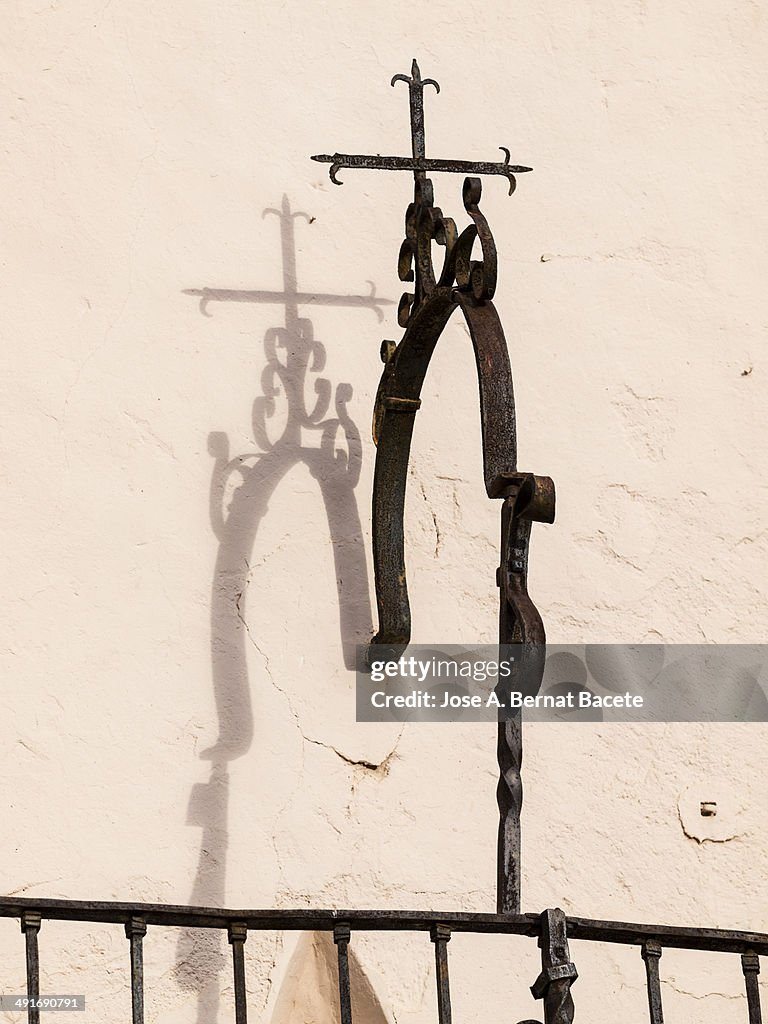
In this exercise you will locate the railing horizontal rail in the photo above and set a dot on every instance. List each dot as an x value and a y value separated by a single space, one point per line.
669 936
718 940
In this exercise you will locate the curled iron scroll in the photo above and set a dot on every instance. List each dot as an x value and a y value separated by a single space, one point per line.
424 313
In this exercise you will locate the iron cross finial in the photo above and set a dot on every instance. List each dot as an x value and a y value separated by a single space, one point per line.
416 96
418 162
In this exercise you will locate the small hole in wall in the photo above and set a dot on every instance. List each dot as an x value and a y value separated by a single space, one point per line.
708 808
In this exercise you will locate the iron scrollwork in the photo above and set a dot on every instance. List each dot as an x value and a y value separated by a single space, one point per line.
469 284
425 224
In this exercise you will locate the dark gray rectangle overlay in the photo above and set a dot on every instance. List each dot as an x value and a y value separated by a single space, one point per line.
20 1004
581 683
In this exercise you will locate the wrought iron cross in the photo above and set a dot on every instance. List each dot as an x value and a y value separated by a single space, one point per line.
469 285
419 163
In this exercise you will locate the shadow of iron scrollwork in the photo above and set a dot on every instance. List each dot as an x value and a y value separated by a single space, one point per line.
328 443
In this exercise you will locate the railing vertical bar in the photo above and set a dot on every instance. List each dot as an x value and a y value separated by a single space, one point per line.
135 930
30 925
652 955
238 933
750 966
558 973
441 935
341 936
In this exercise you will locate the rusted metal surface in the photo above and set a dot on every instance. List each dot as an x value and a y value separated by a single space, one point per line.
416 100
750 965
237 933
418 162
341 936
652 955
528 498
719 940
553 985
135 930
441 936
404 163
30 925
509 797
469 285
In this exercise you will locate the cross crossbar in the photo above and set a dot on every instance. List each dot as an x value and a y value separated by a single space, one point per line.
418 162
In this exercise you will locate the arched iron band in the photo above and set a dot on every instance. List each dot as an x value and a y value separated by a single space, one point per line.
423 312
527 497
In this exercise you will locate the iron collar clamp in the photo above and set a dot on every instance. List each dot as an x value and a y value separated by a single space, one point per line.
533 497
550 974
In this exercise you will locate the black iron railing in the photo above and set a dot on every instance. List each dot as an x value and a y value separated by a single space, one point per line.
553 930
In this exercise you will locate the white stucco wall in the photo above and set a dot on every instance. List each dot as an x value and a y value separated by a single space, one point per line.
179 716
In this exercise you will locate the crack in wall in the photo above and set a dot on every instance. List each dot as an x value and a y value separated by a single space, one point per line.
380 767
701 995
438 537
707 839
601 541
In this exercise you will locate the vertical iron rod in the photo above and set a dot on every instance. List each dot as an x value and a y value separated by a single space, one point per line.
341 936
519 623
416 97
652 955
558 973
238 933
135 930
441 935
509 796
30 925
509 748
750 965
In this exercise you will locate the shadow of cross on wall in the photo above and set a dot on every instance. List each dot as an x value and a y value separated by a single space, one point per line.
241 488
